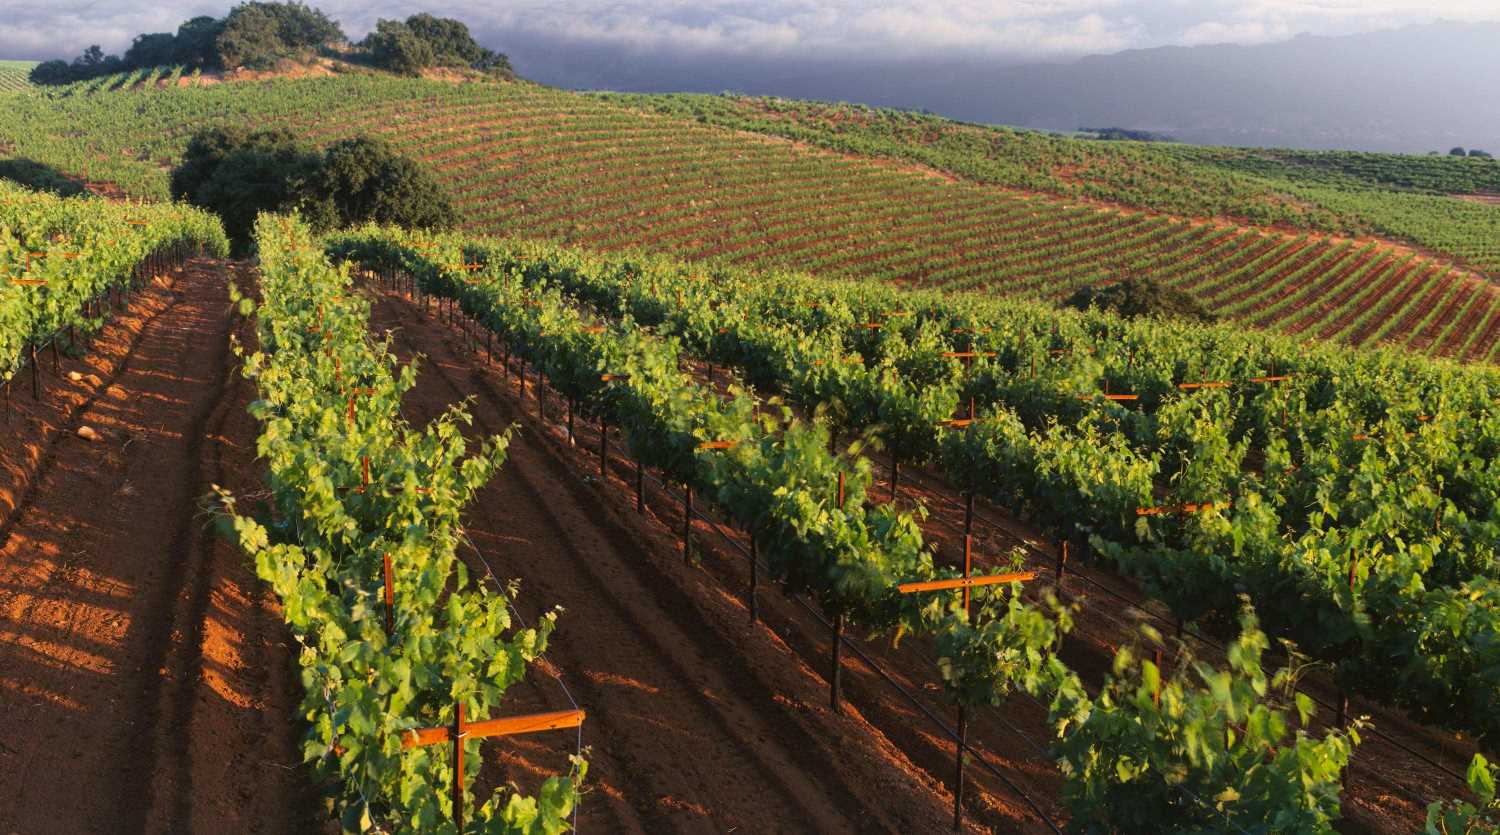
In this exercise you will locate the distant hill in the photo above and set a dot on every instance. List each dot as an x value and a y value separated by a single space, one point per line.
13 75
1416 89
859 194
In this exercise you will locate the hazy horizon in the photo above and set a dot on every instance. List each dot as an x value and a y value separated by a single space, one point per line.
1256 72
1008 31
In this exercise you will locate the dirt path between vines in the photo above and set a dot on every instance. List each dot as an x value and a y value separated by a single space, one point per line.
145 673
1388 789
697 722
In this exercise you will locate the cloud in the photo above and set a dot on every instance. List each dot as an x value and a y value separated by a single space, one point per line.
1261 21
807 29
1242 32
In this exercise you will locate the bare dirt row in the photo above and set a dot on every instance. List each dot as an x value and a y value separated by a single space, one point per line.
145 670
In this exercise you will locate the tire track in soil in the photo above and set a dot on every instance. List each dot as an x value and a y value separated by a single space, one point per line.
128 629
693 726
55 425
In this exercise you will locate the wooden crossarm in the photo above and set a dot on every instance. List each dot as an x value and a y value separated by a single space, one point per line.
716 445
533 723
967 354
1180 508
1366 437
505 726
594 329
1273 378
967 582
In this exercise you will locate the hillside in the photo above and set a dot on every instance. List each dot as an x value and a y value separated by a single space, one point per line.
1415 89
13 76
528 161
1404 197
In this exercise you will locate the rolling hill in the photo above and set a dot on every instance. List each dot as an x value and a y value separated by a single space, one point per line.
13 76
936 204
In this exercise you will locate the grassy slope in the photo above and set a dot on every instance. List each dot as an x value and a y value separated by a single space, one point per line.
14 75
1398 196
529 161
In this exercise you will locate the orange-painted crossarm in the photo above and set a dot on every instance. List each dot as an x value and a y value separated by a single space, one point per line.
422 737
957 423
609 378
29 282
716 445
1180 508
1274 378
960 355
1110 396
507 726
967 582
1207 384
871 326
533 723
594 329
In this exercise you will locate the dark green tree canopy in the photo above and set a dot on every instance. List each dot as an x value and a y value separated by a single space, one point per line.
363 179
239 174
260 34
395 47
153 50
424 41
1137 297
257 35
196 40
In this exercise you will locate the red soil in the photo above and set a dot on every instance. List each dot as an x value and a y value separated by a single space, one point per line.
697 722
147 674
1391 305
1473 317
1395 275
1387 788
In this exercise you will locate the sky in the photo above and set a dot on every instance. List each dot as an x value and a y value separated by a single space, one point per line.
766 30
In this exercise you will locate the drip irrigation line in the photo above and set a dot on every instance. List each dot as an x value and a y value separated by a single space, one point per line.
1032 549
979 756
1139 605
556 674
